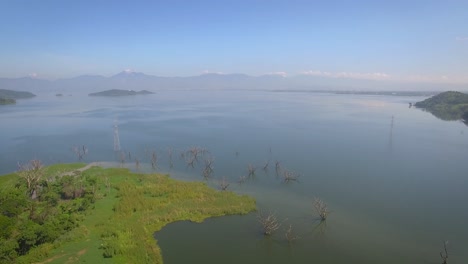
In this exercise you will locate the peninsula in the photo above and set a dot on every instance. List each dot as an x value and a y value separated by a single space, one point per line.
70 213
117 92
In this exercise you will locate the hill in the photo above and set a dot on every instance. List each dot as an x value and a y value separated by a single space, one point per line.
10 94
117 92
447 105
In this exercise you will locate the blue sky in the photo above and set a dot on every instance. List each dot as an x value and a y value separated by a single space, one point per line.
395 40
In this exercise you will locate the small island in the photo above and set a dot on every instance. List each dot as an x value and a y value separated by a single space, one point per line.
447 105
117 92
8 97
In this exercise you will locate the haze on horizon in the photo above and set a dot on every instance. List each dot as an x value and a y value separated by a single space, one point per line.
401 41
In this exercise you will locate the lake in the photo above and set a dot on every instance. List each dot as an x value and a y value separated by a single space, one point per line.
394 177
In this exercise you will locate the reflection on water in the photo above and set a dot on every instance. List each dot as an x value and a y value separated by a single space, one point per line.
394 177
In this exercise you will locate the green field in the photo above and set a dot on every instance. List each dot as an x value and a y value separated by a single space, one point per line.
114 216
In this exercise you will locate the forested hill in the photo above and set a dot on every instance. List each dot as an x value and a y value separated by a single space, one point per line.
447 105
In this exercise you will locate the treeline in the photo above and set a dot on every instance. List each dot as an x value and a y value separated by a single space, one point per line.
38 206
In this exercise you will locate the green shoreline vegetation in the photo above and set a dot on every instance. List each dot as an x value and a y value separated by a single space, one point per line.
60 214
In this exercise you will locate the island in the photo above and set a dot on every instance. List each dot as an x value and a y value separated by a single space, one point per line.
70 213
449 105
117 92
9 96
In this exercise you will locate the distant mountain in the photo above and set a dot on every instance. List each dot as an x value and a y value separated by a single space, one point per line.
117 92
447 105
130 80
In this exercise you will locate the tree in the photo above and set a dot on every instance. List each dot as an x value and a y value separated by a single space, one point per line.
32 173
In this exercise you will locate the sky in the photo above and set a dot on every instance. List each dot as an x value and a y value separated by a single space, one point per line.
417 41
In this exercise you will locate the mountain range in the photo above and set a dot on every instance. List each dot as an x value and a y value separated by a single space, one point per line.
128 80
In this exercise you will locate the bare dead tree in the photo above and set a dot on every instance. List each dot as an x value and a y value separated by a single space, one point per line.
154 160
169 152
289 176
237 154
129 156
444 255
223 184
194 152
269 222
137 164
208 170
267 164
290 236
32 173
277 168
251 170
191 162
321 209
242 179
122 158
80 152
209 165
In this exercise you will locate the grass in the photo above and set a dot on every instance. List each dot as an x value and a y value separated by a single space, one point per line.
120 226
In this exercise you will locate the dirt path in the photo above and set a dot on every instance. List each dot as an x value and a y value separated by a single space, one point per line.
71 173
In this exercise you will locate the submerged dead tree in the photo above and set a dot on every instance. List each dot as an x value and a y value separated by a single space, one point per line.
290 236
208 170
444 255
269 223
321 209
169 152
251 170
267 164
289 176
277 168
80 152
154 160
223 184
122 158
242 179
137 164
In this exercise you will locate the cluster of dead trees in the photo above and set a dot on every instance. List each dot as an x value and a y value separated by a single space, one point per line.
269 222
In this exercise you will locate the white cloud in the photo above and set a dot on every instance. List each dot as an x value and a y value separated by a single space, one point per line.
350 75
212 72
317 73
279 73
436 79
461 38
33 75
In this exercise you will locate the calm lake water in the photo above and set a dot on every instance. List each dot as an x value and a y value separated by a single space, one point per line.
396 192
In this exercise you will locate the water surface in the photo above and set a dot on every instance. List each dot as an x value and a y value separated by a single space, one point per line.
396 192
